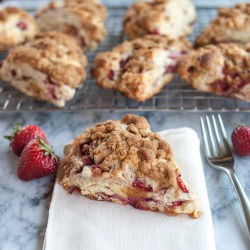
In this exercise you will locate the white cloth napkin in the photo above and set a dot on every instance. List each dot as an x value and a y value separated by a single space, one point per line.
76 222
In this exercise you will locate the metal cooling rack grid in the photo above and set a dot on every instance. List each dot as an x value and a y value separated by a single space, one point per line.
175 96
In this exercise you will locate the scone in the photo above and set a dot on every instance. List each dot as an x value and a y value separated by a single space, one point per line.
48 68
126 163
16 27
221 69
173 18
230 25
85 22
70 2
140 68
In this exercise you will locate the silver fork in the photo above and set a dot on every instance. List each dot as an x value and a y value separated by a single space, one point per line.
220 157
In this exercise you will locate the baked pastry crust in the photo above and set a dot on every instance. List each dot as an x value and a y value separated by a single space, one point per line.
230 25
70 2
221 69
49 68
16 26
173 18
85 22
139 68
126 163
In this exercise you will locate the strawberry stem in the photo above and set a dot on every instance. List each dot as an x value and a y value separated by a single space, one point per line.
48 150
16 129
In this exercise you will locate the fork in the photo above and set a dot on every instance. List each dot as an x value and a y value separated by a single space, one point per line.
220 157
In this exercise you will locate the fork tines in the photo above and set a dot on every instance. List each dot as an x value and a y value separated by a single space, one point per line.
214 136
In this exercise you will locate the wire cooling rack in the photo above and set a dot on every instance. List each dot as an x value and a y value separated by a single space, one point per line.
175 96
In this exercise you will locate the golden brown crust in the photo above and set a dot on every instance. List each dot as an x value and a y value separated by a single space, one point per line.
72 2
173 18
230 25
16 27
54 54
50 68
139 68
222 69
85 21
127 158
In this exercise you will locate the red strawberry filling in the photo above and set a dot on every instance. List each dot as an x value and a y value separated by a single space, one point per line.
181 184
83 42
123 62
114 196
13 73
51 87
111 75
141 185
73 189
230 83
87 161
22 25
171 69
156 31
177 203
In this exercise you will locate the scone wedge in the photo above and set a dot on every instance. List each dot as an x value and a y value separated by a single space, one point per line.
50 68
221 69
230 25
174 18
126 163
85 21
140 68
16 26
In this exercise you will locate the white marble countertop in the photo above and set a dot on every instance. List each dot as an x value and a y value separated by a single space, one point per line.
24 205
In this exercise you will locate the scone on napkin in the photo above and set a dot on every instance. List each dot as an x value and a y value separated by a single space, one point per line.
76 222
126 163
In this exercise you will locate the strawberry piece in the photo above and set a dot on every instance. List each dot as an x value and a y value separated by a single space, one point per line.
13 73
51 87
171 69
22 25
21 136
177 203
111 75
139 184
82 41
74 189
155 32
87 161
181 184
37 160
123 62
241 140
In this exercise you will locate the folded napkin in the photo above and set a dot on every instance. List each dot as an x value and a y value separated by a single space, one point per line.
76 222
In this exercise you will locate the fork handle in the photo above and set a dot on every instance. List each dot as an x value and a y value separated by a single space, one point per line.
244 201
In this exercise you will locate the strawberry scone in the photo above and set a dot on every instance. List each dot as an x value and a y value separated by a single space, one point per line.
48 68
173 18
16 26
230 25
70 2
221 69
126 163
140 68
85 22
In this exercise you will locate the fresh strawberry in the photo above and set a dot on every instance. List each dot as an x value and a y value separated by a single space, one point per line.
21 136
37 160
241 140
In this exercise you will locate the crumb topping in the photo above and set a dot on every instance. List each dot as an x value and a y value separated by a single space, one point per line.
139 68
54 54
